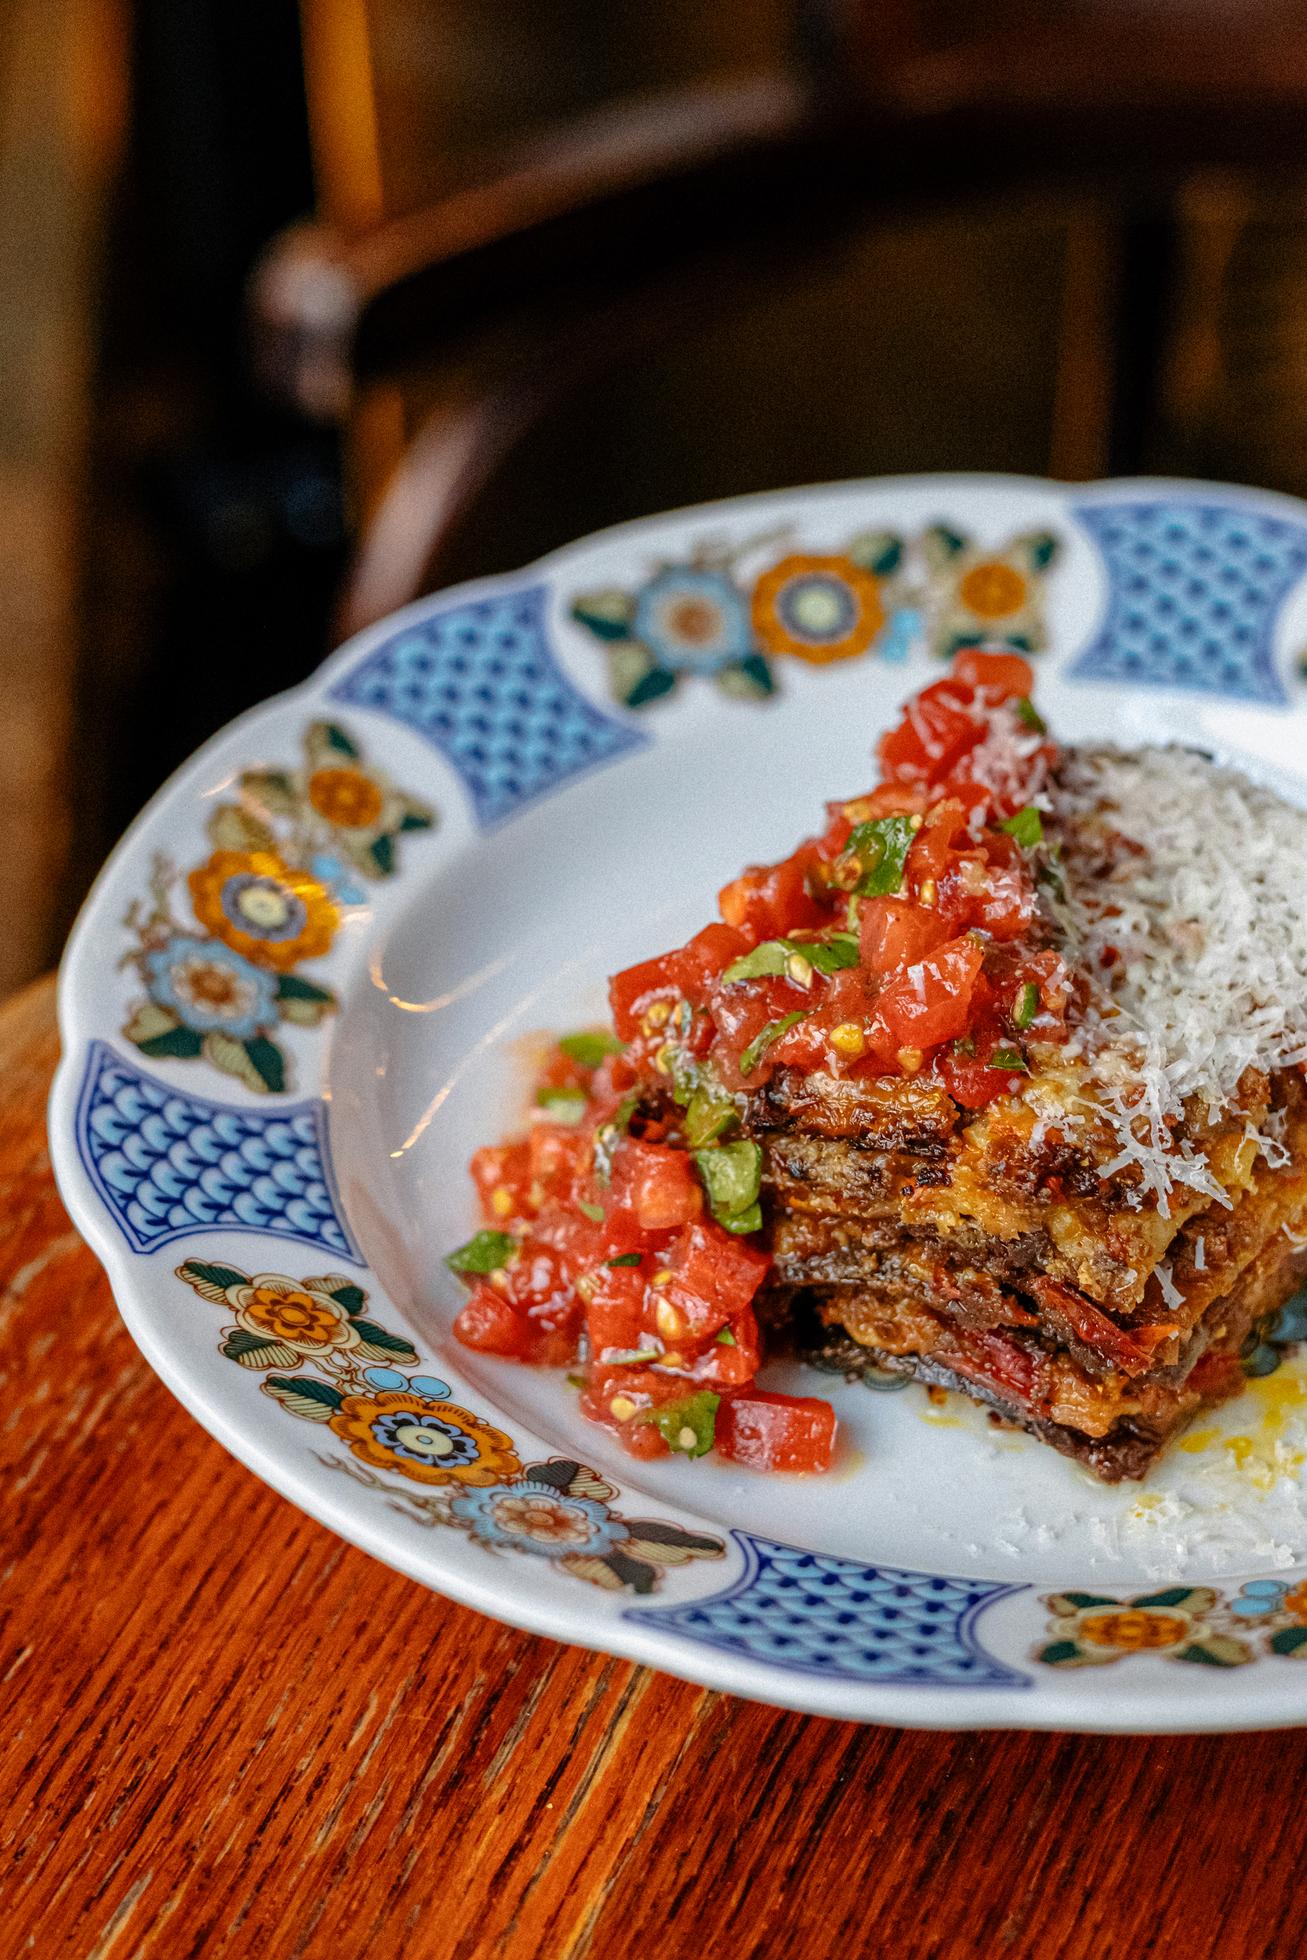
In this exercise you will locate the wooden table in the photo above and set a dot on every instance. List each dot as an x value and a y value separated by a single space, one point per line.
224 1732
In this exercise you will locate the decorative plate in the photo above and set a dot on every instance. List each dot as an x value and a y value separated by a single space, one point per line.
299 997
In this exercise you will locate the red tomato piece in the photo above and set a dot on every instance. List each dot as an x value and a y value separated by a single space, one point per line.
770 900
656 1185
938 728
1003 676
615 1309
776 1432
930 1000
502 1175
714 1277
557 1153
974 1084
633 992
490 1324
893 933
707 955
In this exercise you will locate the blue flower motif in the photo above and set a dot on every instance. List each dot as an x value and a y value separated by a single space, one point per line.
692 621
424 1438
429 1385
1258 1597
338 878
531 1515
210 988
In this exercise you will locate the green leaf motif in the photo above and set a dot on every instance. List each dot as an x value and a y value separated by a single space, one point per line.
382 1345
149 1022
607 615
658 681
257 1350
268 1063
1062 1653
233 1058
417 816
234 828
334 738
1289 1641
291 987
273 788
300 1395
199 1274
382 854
352 1298
748 679
182 1043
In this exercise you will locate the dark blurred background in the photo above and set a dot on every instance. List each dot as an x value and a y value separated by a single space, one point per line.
1056 236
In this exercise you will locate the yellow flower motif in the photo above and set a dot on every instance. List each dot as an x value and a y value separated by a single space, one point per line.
993 589
273 914
280 1309
346 798
429 1442
1176 1622
818 609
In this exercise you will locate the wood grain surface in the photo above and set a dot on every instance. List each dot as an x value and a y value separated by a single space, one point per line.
223 1732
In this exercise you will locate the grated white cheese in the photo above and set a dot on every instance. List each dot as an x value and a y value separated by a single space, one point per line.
1196 937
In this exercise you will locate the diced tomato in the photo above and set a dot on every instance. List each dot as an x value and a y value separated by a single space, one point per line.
491 1325
1003 676
714 1276
934 843
930 1000
894 932
776 1432
733 1363
938 728
771 900
709 953
615 1308
502 1175
633 992
556 1155
974 1084
656 1185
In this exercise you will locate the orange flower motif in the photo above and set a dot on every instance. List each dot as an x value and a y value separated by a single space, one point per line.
430 1442
818 609
1133 1631
274 915
304 1320
993 589
542 1518
346 798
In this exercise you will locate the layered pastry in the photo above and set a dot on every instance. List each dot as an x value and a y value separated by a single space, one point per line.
995 1083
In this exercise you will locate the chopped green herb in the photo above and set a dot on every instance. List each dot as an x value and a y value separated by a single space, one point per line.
593 1212
761 1042
628 1357
745 1221
610 1134
708 1117
590 1047
833 955
964 1045
726 1338
688 1426
576 1381
564 1105
732 1177
625 1259
484 1252
1026 711
1027 827
1027 1004
851 919
881 849
1010 1058
774 955
770 957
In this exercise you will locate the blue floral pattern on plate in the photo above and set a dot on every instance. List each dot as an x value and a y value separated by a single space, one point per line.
171 1165
844 1621
480 682
1195 596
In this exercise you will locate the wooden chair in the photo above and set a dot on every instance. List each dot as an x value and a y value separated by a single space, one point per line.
602 242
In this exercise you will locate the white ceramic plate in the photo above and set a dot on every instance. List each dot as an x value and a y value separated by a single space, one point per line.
298 999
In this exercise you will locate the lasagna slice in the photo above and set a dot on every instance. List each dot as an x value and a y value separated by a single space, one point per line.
995 1083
